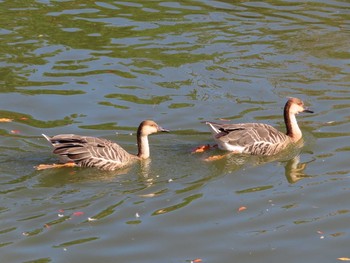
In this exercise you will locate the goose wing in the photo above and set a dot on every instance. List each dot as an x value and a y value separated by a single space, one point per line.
90 151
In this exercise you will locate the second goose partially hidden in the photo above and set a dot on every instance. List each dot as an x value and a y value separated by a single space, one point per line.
259 138
85 151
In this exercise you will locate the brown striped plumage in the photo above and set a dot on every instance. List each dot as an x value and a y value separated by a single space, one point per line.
101 153
259 138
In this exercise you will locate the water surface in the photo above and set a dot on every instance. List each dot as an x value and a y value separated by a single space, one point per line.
100 68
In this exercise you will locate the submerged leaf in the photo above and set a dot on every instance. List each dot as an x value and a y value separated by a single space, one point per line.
78 213
201 148
54 165
214 158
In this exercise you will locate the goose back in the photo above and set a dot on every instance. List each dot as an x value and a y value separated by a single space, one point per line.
88 151
251 138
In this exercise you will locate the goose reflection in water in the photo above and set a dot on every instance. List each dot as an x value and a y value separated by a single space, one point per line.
295 170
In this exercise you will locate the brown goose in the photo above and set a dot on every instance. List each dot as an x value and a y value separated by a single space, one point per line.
259 138
84 151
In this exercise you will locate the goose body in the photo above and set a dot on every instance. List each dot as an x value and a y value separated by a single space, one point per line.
260 138
86 151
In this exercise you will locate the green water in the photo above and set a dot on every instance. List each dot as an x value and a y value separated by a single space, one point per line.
100 68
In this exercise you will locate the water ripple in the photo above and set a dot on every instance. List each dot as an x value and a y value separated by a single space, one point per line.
99 68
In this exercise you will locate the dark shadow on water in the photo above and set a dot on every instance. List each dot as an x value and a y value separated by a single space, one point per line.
140 172
61 176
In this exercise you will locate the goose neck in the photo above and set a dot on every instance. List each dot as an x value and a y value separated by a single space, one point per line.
143 146
293 130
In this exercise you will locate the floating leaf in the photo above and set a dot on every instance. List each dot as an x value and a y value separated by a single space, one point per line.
154 194
344 259
148 195
337 234
321 234
5 120
242 208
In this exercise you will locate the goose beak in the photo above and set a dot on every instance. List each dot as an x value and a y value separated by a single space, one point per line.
160 129
308 111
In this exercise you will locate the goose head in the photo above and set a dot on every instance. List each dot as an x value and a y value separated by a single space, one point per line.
295 106
148 127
